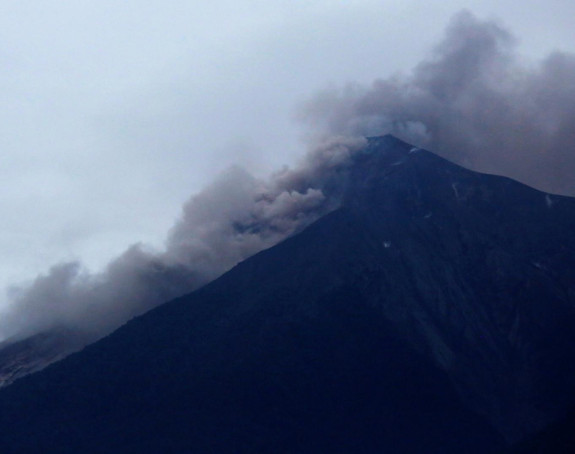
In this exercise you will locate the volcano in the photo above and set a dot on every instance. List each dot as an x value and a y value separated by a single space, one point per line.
432 311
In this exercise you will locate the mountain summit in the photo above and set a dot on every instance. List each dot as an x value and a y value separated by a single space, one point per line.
433 311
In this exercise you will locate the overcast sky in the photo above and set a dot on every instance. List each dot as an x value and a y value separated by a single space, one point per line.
114 113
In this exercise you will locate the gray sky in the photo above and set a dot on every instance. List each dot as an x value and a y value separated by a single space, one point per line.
114 113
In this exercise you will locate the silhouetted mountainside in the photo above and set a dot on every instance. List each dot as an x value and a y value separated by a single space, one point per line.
432 313
488 283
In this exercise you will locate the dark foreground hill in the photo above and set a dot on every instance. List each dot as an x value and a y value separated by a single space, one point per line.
433 312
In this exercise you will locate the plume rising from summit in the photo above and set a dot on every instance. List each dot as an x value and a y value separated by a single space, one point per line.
475 101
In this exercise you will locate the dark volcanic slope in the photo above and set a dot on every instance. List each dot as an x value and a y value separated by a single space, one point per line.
485 271
436 304
559 438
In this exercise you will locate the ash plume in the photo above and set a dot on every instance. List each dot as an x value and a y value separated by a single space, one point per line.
232 219
476 102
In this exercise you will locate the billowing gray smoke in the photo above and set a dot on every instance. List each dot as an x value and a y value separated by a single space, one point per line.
229 221
473 101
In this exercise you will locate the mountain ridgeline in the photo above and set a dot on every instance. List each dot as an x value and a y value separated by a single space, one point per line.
432 312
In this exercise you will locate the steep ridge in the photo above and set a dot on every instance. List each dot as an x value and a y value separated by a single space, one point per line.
486 279
432 312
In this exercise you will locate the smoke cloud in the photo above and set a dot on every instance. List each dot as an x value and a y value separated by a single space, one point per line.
475 102
232 219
